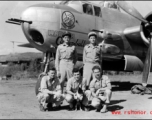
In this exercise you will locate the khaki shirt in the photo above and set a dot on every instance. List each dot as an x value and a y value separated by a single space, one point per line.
99 84
65 52
73 85
92 54
46 84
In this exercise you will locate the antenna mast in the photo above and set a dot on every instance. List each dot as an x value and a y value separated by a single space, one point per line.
14 44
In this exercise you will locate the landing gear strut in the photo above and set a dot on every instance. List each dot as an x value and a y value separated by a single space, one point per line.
46 60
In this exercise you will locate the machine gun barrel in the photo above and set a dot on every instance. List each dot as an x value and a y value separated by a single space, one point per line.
13 23
17 21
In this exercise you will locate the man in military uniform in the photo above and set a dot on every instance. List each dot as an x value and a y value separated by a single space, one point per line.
66 58
74 84
100 88
49 92
91 56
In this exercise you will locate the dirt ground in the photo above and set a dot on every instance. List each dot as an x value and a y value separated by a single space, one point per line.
18 101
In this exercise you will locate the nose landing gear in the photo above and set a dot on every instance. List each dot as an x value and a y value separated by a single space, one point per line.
47 58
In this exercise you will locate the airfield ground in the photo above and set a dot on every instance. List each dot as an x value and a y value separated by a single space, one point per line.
18 101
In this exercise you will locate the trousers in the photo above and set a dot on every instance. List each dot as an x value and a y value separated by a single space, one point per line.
66 68
86 97
45 98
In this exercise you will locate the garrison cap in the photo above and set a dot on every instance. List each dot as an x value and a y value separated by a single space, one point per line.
92 34
66 34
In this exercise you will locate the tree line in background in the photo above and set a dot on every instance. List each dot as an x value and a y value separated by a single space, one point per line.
34 68
23 70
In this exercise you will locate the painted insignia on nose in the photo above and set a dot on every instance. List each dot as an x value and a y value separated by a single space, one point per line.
68 20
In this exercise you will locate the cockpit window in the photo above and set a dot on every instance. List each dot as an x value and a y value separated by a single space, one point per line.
87 8
97 11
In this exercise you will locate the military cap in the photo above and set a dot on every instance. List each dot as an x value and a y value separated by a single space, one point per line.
92 34
66 34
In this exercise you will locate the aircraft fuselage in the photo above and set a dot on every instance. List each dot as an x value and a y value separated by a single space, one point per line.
50 21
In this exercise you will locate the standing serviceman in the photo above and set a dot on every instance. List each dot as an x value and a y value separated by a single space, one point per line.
92 55
66 58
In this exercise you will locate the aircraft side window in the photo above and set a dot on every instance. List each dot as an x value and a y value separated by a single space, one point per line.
97 11
111 4
87 8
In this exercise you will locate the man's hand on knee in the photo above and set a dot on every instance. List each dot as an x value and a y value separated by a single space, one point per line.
75 96
102 98
57 94
60 97
99 91
80 96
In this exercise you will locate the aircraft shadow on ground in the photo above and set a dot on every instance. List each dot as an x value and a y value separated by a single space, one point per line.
112 102
150 98
63 107
111 107
124 86
115 107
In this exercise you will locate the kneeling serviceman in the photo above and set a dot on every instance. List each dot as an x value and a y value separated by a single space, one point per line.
100 88
49 91
74 85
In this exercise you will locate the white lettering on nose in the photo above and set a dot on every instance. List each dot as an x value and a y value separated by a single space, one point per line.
58 34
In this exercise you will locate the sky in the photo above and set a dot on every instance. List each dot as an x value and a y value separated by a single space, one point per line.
11 32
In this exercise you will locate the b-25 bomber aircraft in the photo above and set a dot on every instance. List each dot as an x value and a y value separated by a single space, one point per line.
125 38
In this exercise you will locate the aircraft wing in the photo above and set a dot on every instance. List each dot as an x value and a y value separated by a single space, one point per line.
28 45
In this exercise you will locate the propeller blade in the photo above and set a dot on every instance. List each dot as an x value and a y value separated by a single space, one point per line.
131 10
147 65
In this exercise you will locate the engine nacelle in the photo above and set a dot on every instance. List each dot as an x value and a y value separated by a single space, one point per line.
36 39
37 33
133 63
103 34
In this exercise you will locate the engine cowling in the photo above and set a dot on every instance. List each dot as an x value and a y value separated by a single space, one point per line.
35 37
133 63
44 19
